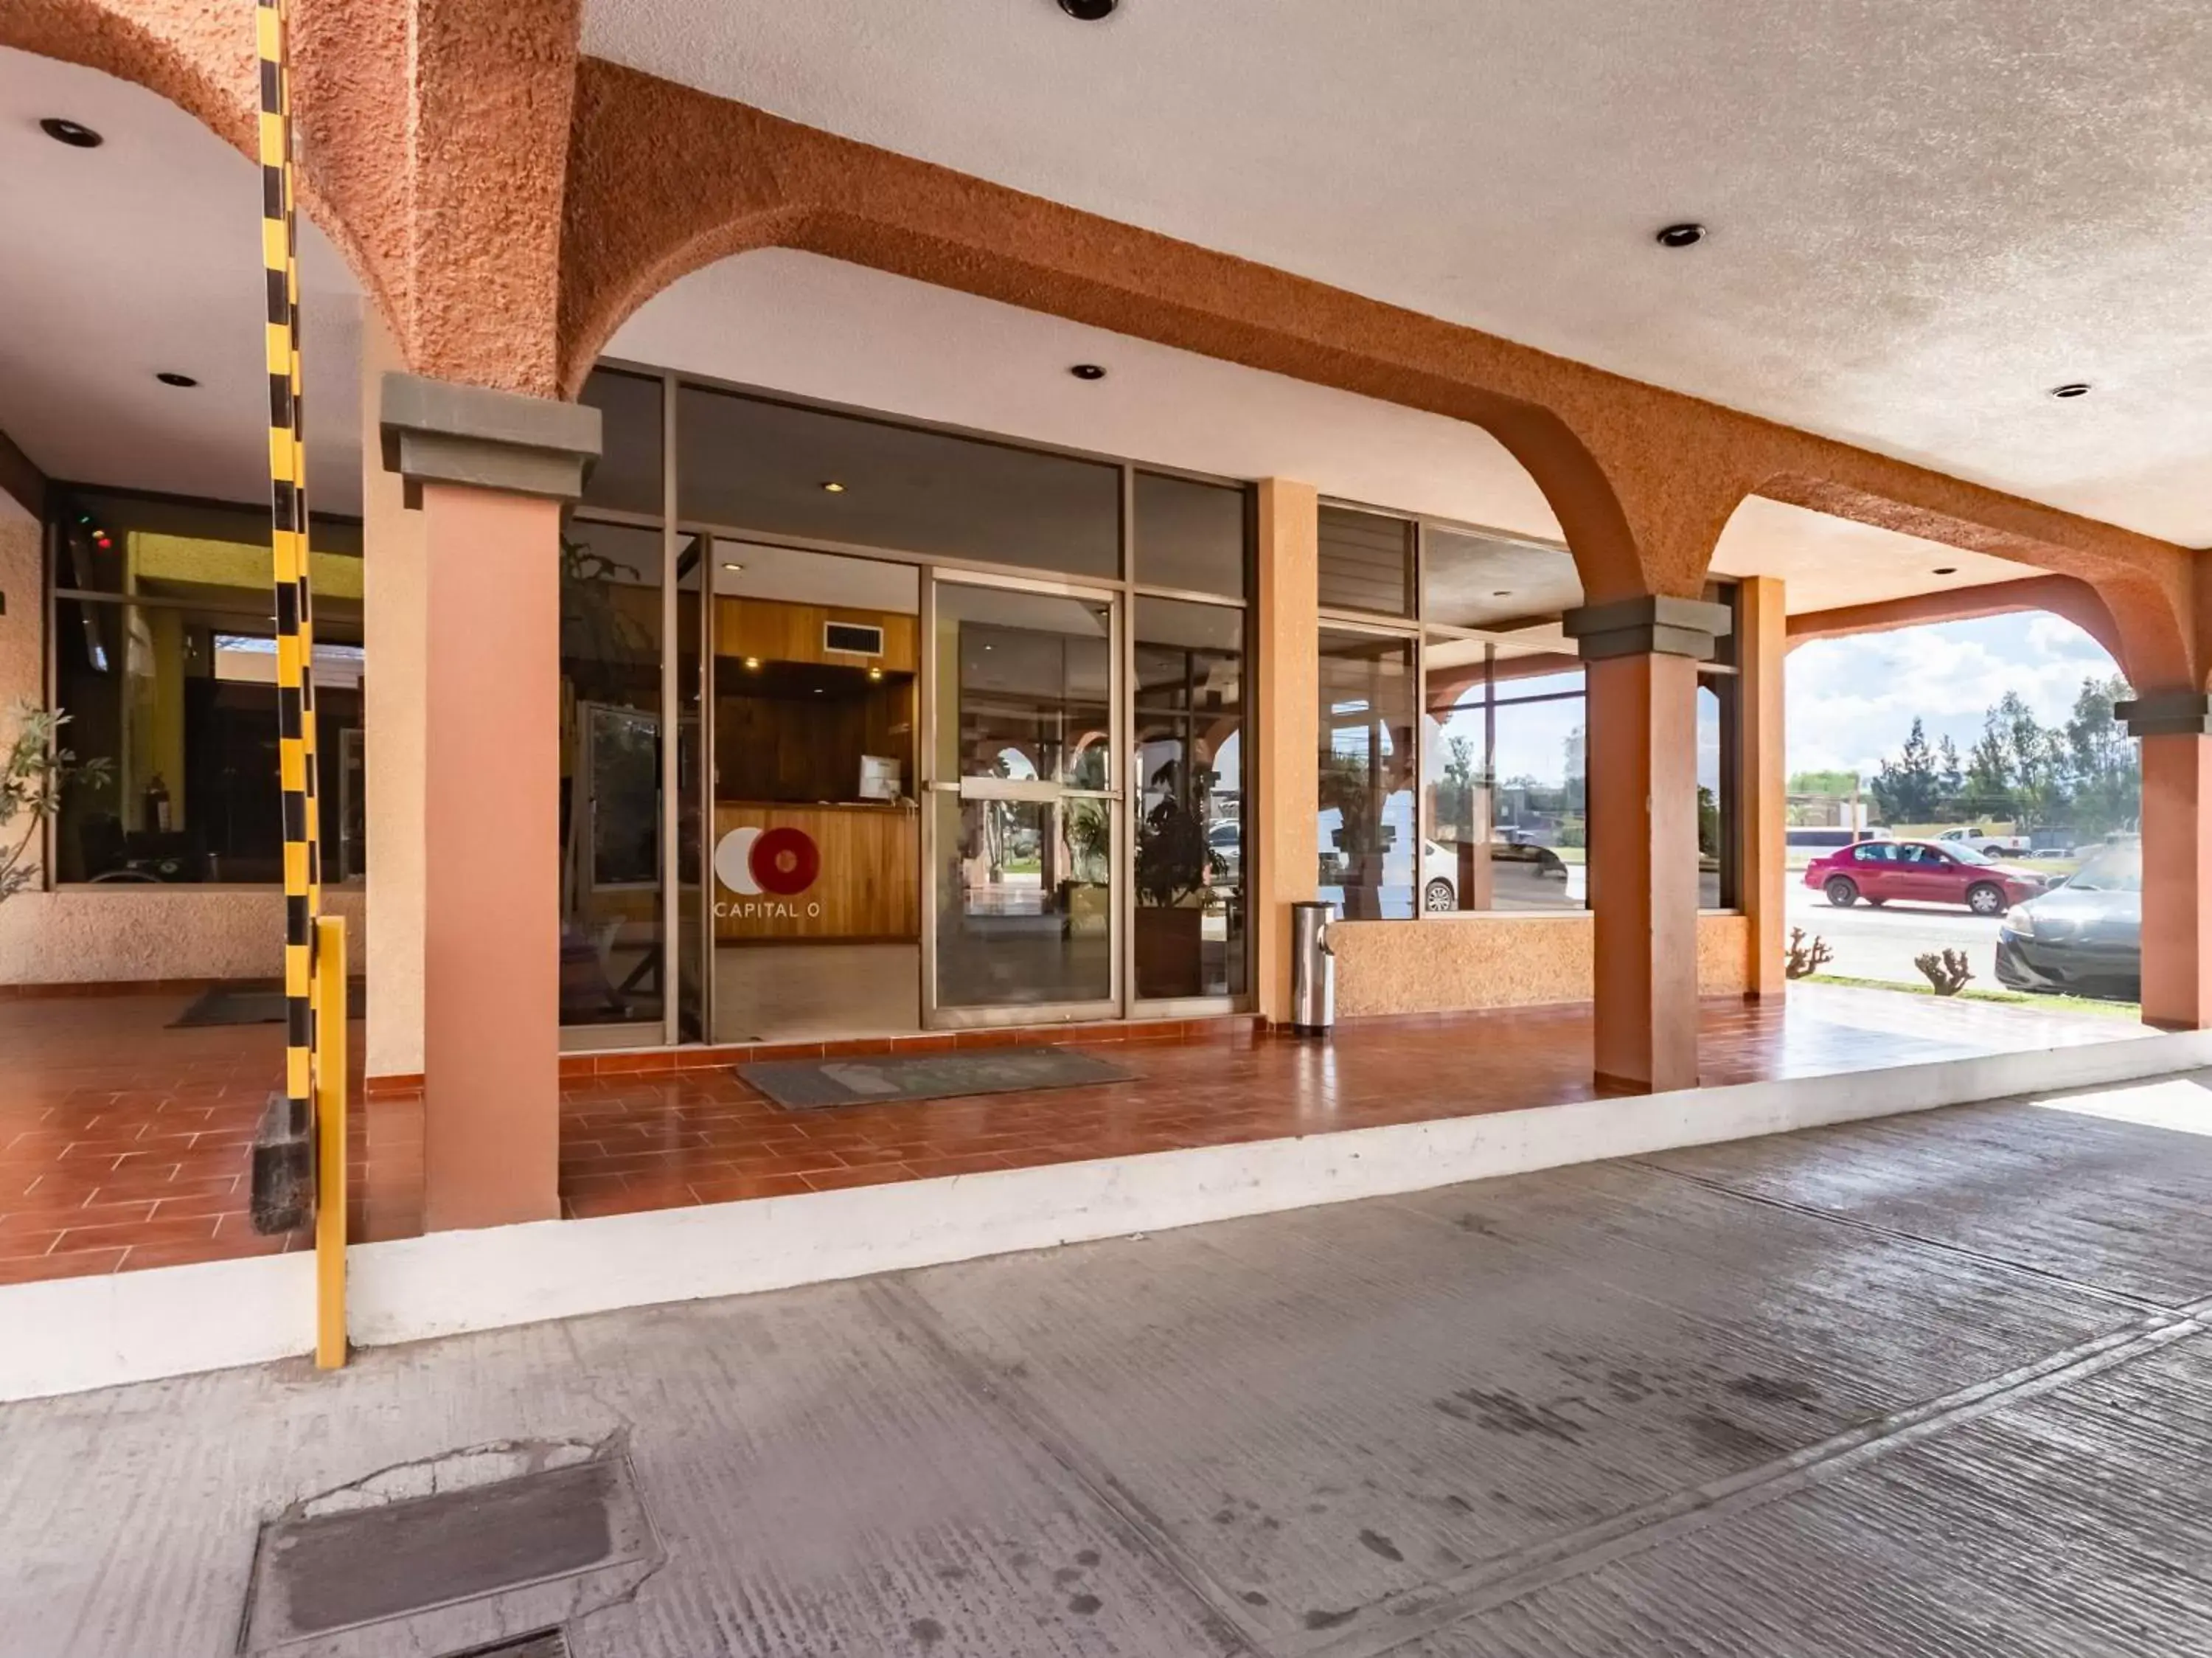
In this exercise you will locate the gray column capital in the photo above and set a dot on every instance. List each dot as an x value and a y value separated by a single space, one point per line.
2166 713
438 431
1652 625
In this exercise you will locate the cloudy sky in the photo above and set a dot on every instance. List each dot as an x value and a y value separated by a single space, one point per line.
1852 701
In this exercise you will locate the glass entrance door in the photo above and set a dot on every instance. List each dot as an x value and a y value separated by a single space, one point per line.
1024 813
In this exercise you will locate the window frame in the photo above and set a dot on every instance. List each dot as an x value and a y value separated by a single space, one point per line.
53 594
1719 589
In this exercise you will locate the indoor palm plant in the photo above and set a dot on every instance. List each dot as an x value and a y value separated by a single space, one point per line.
37 768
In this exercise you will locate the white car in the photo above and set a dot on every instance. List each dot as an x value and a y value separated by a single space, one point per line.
1983 841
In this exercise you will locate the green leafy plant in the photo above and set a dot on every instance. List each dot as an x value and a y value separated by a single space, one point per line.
37 769
1173 860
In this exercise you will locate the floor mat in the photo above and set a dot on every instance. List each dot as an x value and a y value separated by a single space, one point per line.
812 1084
255 1004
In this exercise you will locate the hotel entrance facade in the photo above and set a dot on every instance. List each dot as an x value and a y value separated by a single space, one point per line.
871 729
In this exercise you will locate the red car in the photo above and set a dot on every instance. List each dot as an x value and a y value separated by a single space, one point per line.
1921 871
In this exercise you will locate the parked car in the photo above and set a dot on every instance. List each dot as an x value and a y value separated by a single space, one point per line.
1983 841
1440 868
1225 841
1922 872
2085 936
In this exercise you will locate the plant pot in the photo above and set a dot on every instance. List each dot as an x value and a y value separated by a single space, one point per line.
1171 951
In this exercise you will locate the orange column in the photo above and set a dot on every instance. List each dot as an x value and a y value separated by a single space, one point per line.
1642 678
489 472
2177 856
1280 820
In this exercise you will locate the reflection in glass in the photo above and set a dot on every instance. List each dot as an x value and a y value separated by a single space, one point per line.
1025 901
1506 779
1188 737
611 754
1023 685
1716 790
1373 860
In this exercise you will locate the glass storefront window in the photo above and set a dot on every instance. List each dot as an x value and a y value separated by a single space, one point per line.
627 475
612 874
1189 737
779 468
1191 536
169 673
1506 778
1373 860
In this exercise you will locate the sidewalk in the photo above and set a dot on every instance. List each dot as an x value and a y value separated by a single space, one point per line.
1934 1384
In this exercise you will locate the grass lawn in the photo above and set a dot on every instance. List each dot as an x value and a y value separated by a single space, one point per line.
2128 1010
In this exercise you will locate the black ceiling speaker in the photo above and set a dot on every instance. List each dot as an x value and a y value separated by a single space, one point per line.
1089 11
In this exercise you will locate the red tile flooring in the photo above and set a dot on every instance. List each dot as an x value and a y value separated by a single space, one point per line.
125 1143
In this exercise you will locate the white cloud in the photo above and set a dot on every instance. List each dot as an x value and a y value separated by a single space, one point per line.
1851 702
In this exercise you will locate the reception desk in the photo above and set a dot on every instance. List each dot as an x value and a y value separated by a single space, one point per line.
868 884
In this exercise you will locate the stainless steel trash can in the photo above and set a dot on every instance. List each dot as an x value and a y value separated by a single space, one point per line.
1313 969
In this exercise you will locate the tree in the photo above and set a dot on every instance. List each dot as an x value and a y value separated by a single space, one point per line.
1988 790
2035 760
1950 777
2104 771
1841 784
1905 789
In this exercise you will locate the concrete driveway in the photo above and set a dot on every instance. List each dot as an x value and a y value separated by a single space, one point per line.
1934 1385
1871 944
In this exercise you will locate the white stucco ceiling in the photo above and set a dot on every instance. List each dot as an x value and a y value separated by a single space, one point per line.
143 256
1925 213
796 322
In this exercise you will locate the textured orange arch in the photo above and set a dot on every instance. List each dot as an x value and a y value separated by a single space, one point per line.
663 180
201 58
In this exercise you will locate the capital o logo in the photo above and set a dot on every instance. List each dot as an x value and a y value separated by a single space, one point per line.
782 862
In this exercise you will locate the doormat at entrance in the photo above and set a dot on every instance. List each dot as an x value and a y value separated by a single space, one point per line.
255 1004
812 1084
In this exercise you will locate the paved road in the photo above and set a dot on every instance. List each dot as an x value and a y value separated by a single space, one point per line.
1880 943
1929 1386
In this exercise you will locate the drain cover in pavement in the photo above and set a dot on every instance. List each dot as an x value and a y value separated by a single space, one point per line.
547 1644
478 1546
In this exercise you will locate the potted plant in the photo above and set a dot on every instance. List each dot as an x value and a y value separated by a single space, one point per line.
1175 867
37 768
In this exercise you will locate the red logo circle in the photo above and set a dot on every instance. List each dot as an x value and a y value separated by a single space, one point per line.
785 861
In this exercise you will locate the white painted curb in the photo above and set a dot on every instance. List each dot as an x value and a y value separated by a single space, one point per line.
78 1333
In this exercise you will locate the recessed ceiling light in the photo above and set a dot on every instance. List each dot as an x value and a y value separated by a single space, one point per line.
1946 569
1088 371
183 382
752 661
2071 389
1685 235
1089 11
833 487
875 674
733 569
74 134
817 690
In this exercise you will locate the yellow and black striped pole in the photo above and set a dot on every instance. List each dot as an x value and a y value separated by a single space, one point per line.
288 512
300 1156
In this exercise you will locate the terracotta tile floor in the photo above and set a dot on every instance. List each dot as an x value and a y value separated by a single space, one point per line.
125 1143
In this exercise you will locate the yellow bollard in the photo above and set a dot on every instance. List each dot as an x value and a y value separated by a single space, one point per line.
331 1145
